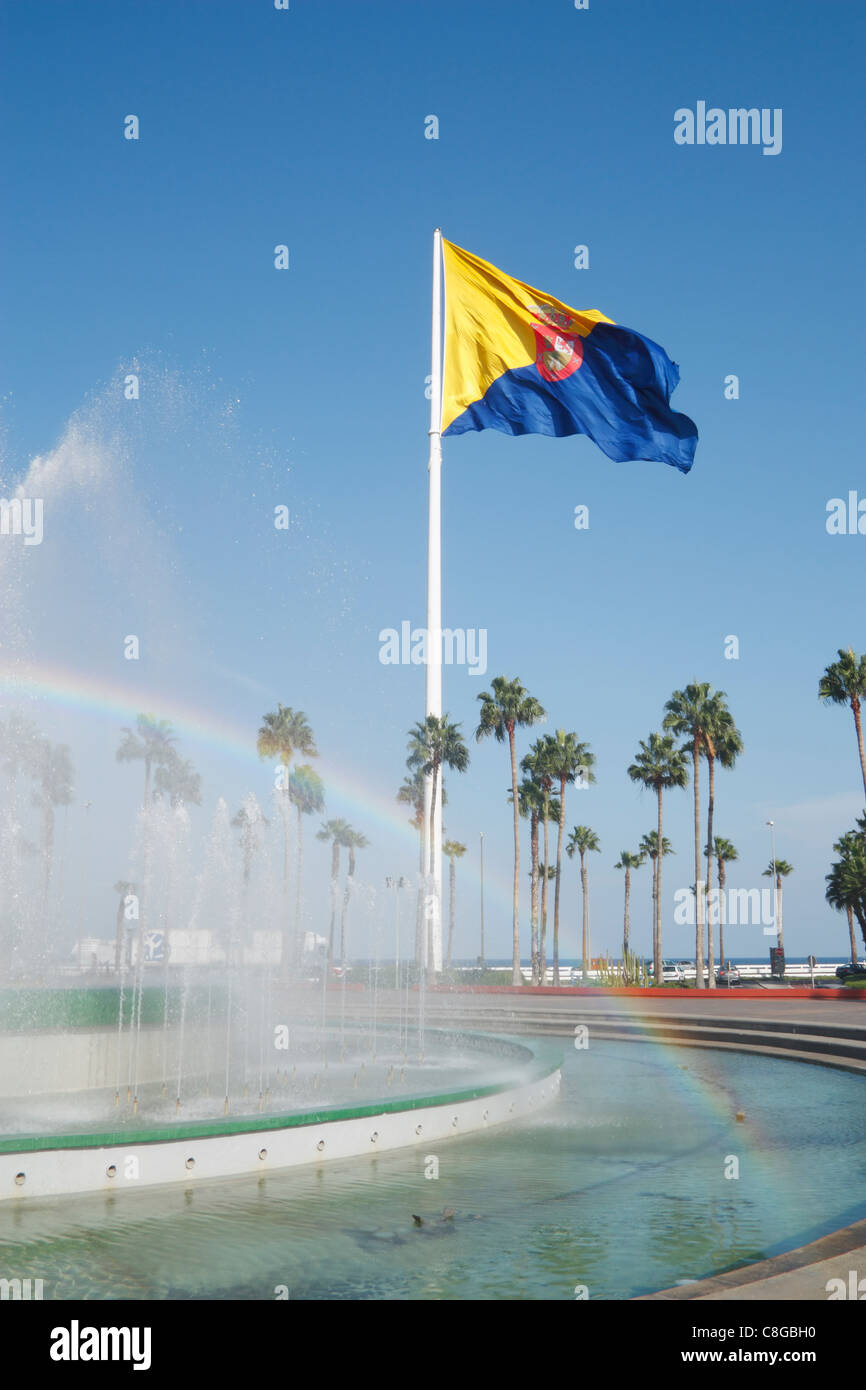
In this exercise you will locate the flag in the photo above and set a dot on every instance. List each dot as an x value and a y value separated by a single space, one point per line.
522 362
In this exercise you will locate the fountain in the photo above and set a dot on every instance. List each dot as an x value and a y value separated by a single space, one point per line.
201 1052
321 1096
193 1044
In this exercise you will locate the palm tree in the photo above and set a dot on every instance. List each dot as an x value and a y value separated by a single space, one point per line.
441 744
781 868
124 889
335 831
583 840
724 853
649 846
55 780
659 765
284 733
628 862
531 807
20 744
846 882
852 940
454 851
352 840
150 743
411 794
307 795
690 714
844 683
507 708
846 888
547 874
723 743
177 780
250 821
536 765
845 847
564 755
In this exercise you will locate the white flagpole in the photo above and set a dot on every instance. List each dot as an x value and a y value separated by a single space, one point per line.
432 956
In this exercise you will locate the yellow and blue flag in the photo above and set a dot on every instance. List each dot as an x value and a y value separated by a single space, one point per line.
520 361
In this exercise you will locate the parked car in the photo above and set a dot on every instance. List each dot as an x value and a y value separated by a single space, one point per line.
730 975
855 969
671 972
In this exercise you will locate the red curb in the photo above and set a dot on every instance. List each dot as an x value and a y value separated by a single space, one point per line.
635 992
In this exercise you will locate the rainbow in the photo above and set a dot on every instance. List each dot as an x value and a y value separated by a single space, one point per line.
713 1094
95 696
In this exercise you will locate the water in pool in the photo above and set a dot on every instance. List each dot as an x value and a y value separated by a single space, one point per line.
620 1187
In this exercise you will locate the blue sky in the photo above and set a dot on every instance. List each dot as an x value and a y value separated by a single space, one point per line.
306 387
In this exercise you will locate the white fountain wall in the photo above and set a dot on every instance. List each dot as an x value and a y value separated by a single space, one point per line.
37 1063
47 1173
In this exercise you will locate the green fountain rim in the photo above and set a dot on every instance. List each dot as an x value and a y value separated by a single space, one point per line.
542 1059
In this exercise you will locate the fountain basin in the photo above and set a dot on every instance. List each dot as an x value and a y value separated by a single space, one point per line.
48 1165
66 1040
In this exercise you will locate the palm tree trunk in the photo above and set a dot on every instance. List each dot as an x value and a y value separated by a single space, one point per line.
298 933
625 927
47 842
335 869
346 892
710 955
286 926
655 895
558 878
419 903
542 951
851 933
285 813
779 938
284 805
657 926
533 848
699 905
585 891
452 894
433 785
855 706
722 913
515 961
